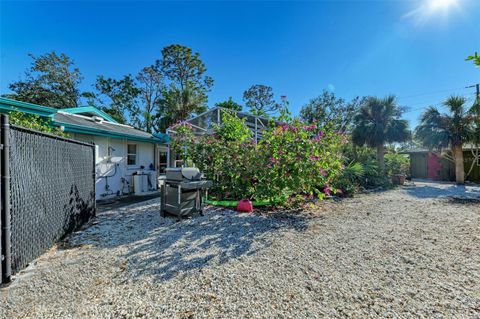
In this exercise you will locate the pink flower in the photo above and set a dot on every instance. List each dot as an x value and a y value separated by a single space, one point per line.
323 172
309 127
274 160
319 136
327 190
315 158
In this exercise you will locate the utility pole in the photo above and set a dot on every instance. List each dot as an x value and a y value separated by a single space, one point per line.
477 87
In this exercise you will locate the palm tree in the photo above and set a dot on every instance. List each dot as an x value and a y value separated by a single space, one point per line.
377 123
448 130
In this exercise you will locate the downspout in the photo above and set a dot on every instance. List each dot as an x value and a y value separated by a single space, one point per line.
6 229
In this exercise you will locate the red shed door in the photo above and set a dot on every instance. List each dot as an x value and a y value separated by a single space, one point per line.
434 166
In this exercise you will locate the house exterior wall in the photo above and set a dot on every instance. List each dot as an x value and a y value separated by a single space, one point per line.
113 174
475 173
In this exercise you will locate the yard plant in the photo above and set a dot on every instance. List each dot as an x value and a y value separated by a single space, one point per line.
450 130
291 160
378 122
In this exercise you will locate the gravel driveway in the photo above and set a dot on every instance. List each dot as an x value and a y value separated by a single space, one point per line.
404 253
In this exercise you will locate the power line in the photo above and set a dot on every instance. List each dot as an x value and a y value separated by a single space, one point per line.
440 103
431 92
437 104
477 87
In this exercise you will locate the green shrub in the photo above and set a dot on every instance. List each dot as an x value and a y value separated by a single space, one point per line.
290 160
34 122
371 177
396 164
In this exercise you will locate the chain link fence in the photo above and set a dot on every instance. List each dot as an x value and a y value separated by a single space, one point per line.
51 192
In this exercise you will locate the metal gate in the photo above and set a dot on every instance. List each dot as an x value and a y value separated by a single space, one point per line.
47 191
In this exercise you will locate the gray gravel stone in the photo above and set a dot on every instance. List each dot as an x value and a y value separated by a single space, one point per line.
398 254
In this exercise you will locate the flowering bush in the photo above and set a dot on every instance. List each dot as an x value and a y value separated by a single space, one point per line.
292 159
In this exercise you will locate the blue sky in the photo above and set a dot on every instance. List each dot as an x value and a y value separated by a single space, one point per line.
355 48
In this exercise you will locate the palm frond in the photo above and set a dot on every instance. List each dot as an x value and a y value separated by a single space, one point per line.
377 122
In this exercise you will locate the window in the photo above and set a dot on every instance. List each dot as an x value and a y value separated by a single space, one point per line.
162 161
131 154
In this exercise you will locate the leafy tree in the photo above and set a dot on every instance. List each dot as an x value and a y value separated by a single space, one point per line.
34 122
230 104
151 86
122 96
448 130
328 110
475 58
173 105
51 80
187 84
259 98
378 122
233 128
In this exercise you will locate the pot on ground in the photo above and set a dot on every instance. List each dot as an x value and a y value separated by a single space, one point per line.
398 179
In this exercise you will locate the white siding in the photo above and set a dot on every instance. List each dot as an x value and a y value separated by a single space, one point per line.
114 170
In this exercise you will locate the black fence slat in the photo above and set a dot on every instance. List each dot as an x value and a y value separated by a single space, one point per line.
52 191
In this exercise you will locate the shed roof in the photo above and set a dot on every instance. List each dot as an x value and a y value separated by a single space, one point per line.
420 150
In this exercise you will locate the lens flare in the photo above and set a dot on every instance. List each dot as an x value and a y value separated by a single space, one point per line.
430 9
436 5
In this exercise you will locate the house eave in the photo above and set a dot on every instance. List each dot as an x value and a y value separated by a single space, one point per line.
71 128
9 105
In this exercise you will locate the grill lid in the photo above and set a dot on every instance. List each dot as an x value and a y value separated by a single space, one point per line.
183 173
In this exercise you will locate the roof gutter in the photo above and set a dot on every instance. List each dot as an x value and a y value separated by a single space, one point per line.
7 105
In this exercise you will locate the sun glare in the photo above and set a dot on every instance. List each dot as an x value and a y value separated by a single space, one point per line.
430 9
435 5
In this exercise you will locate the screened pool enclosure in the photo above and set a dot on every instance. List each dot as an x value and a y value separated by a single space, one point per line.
204 123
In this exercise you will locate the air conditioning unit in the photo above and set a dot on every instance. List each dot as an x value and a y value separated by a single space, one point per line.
144 182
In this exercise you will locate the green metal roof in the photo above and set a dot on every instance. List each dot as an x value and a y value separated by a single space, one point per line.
8 105
73 122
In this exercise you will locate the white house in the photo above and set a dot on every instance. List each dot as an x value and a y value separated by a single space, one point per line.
127 160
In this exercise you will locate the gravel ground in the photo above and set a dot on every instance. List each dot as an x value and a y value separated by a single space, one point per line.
406 253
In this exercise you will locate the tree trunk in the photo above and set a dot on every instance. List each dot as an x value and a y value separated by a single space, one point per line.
381 157
459 164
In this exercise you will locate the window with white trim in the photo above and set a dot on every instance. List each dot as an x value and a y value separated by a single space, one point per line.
131 154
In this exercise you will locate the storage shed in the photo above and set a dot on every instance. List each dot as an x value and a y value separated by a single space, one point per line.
427 164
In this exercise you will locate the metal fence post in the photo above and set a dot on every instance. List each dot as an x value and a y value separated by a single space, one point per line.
2 257
94 173
5 202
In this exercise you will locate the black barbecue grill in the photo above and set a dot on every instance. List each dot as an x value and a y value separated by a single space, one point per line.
181 193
